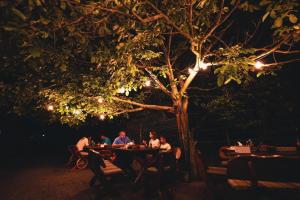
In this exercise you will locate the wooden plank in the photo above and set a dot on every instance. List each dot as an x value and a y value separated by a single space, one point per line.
239 184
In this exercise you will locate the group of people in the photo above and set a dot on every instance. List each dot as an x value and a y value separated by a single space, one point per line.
123 140
154 142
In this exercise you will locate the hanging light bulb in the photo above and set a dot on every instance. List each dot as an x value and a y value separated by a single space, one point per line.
148 83
102 117
50 107
200 64
258 65
203 65
192 71
76 112
121 90
100 100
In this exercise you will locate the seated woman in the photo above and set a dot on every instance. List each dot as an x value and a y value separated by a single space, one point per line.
154 142
164 145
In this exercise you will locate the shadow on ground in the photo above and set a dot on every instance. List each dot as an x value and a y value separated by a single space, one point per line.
54 182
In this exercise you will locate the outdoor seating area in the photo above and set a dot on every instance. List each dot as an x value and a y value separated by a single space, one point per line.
266 169
150 99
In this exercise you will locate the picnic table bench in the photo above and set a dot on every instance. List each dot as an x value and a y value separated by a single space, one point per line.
268 172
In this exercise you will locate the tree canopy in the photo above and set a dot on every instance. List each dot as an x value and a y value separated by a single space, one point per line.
80 58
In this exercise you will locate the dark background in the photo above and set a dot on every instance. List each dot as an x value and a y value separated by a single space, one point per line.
29 140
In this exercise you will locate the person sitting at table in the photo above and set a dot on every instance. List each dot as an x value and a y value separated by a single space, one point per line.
105 139
82 144
121 140
164 145
154 142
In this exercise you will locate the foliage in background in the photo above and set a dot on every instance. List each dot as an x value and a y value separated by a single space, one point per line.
74 54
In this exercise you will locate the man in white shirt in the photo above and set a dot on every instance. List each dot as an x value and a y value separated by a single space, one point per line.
154 142
81 144
164 145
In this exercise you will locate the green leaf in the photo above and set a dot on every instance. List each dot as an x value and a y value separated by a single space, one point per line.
278 22
93 59
63 67
220 81
35 52
38 2
273 14
63 5
216 71
293 19
227 81
259 74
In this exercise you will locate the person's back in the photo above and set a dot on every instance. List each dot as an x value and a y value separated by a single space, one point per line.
82 143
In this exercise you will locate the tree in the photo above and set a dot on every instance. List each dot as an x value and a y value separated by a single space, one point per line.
106 58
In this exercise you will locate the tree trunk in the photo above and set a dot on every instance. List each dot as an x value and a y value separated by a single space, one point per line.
192 160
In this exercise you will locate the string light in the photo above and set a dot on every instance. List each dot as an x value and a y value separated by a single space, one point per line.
201 65
76 112
50 107
121 90
100 100
192 71
258 65
102 117
148 83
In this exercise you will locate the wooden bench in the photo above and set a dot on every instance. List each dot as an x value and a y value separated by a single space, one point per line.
101 168
275 173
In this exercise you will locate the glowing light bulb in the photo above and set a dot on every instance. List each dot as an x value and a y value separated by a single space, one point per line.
100 100
201 65
121 90
50 108
148 83
192 71
258 65
102 117
76 112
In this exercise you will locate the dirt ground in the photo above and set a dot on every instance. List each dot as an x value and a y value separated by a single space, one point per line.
55 183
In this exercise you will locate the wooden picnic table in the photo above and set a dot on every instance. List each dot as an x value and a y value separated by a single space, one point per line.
125 157
104 150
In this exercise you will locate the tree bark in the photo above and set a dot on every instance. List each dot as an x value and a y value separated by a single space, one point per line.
192 160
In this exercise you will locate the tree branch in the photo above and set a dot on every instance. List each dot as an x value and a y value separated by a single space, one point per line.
281 63
282 51
145 106
170 68
162 87
128 111
171 22
189 80
218 22
269 51
203 89
190 16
